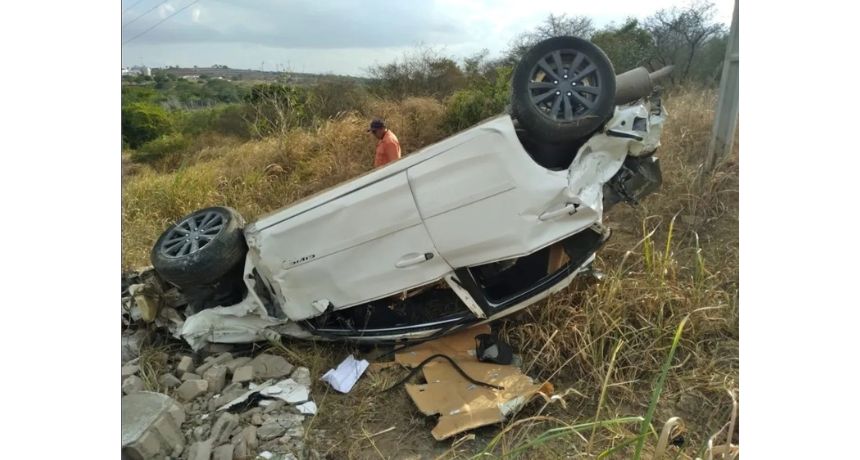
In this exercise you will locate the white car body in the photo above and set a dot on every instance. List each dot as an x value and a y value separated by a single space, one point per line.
472 199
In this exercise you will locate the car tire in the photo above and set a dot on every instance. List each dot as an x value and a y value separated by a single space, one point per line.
201 248
563 89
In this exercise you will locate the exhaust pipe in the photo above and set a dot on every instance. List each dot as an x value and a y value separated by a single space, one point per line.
638 83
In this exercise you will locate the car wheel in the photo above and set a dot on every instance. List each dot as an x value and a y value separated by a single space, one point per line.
201 248
563 89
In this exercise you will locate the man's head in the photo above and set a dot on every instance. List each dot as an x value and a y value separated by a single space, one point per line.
377 127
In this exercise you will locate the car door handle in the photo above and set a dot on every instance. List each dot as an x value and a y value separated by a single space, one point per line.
568 209
413 259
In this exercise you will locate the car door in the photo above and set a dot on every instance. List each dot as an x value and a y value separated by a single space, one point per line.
367 244
485 199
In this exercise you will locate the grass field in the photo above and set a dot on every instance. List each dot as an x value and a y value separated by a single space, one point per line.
664 318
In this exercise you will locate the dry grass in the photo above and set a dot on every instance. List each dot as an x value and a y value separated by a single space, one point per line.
674 256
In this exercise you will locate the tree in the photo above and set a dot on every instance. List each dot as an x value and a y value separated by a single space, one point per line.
553 26
142 122
680 33
628 46
424 72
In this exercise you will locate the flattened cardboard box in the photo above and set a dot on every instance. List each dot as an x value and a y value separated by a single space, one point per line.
461 404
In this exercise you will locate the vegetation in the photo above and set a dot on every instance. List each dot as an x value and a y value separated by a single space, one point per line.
656 339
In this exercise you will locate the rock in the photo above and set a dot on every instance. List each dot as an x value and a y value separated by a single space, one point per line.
169 381
189 376
233 387
275 406
268 366
151 426
184 365
201 450
225 397
224 452
240 449
236 363
277 426
129 369
243 374
257 419
302 376
220 359
249 435
132 384
201 433
191 389
130 344
216 376
223 427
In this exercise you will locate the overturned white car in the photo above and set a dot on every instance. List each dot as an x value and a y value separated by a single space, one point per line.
467 230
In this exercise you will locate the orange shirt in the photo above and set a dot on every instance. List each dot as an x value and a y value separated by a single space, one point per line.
387 149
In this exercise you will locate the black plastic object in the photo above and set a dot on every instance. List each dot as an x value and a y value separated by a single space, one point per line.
489 348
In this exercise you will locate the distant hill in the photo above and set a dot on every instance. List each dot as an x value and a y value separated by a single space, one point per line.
255 75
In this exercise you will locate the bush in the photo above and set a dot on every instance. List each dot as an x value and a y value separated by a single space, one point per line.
230 120
276 108
161 148
333 97
482 100
143 122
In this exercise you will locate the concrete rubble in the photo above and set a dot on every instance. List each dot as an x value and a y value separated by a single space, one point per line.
151 426
269 403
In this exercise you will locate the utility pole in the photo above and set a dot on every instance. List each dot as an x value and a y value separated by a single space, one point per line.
726 115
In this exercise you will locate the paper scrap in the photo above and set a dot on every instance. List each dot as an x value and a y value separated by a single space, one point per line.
347 373
308 408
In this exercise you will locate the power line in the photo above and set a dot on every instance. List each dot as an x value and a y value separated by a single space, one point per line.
159 22
132 6
144 14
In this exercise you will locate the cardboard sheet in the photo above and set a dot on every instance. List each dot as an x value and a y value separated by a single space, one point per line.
461 404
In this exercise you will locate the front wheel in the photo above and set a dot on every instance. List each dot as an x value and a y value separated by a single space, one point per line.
563 90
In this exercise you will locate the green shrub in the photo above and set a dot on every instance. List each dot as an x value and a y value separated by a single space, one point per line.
481 100
143 122
161 148
229 120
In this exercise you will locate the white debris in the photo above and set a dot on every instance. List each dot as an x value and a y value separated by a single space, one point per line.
308 408
253 389
347 373
243 322
287 390
265 454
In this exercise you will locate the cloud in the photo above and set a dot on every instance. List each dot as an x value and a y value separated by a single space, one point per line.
346 36
313 24
165 10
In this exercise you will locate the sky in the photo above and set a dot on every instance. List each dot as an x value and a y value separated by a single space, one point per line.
344 37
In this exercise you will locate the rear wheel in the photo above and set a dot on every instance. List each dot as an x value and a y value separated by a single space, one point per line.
201 248
563 90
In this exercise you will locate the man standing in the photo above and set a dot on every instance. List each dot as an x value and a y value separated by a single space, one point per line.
387 145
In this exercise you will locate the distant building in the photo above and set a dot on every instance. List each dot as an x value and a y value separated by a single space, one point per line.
137 70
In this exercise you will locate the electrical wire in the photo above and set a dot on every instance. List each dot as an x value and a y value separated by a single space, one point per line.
144 14
132 6
159 22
